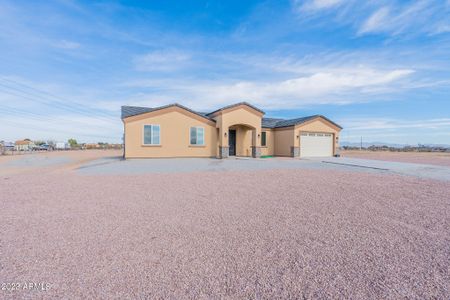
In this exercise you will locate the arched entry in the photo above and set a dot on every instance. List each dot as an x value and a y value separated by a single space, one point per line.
242 138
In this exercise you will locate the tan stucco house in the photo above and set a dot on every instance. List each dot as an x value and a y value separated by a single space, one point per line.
235 130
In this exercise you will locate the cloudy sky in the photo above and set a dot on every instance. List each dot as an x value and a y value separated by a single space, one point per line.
381 69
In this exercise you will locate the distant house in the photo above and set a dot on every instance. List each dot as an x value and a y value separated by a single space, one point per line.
62 146
24 145
92 146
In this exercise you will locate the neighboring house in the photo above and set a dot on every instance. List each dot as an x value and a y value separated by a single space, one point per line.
62 146
236 130
24 145
92 146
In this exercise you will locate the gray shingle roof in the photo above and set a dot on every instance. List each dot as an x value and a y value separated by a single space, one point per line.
277 123
129 111
270 122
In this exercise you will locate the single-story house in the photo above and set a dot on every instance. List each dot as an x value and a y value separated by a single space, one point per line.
235 130
24 145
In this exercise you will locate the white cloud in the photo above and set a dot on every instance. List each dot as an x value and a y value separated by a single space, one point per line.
65 44
316 4
377 124
435 131
326 86
161 60
376 22
422 16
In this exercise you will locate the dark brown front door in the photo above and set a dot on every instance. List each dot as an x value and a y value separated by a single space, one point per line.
232 142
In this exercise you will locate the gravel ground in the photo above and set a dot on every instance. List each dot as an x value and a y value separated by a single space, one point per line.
430 158
289 233
39 161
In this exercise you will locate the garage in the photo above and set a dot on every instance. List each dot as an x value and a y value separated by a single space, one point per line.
313 144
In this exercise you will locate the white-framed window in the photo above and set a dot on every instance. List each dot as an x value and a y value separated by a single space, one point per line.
197 136
152 134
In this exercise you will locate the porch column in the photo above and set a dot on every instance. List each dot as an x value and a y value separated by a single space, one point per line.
256 143
224 149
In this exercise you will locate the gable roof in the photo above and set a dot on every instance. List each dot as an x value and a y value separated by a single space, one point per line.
278 123
129 111
24 142
234 105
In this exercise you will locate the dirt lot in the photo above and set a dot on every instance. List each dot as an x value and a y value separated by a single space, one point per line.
276 233
432 158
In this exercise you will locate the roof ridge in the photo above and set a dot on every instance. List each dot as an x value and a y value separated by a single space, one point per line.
237 104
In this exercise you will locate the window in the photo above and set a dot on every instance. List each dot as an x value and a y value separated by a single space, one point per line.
197 136
263 138
151 135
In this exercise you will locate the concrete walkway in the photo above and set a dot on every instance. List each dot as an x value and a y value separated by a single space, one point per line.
116 166
410 169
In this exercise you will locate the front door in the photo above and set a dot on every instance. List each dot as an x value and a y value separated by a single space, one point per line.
232 142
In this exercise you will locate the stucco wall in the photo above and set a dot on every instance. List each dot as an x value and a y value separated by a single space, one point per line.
284 140
269 149
175 126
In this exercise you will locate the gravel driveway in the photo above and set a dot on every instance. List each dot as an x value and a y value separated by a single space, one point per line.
287 233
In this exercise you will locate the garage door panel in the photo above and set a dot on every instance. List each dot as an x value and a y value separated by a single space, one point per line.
316 144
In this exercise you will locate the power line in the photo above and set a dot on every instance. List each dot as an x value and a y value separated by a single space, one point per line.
56 104
55 97
40 117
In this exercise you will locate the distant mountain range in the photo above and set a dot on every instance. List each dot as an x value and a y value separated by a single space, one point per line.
393 145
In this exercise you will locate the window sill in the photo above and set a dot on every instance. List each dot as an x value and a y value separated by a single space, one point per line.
145 145
197 146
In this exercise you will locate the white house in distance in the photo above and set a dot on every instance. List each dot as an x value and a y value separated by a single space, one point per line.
62 146
24 145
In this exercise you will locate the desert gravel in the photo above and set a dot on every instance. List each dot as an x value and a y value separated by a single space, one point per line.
264 234
429 158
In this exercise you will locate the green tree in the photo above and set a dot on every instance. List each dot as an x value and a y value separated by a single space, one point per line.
72 142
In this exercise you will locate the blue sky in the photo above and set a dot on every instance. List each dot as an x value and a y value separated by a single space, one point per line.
381 69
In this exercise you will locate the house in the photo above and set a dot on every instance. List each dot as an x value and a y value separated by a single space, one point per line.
92 146
235 130
24 145
62 146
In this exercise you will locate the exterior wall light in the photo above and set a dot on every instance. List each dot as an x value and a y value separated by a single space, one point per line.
225 134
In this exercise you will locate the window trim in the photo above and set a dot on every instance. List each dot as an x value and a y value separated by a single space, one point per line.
196 136
151 130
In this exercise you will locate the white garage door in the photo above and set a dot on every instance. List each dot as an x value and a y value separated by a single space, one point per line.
316 144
